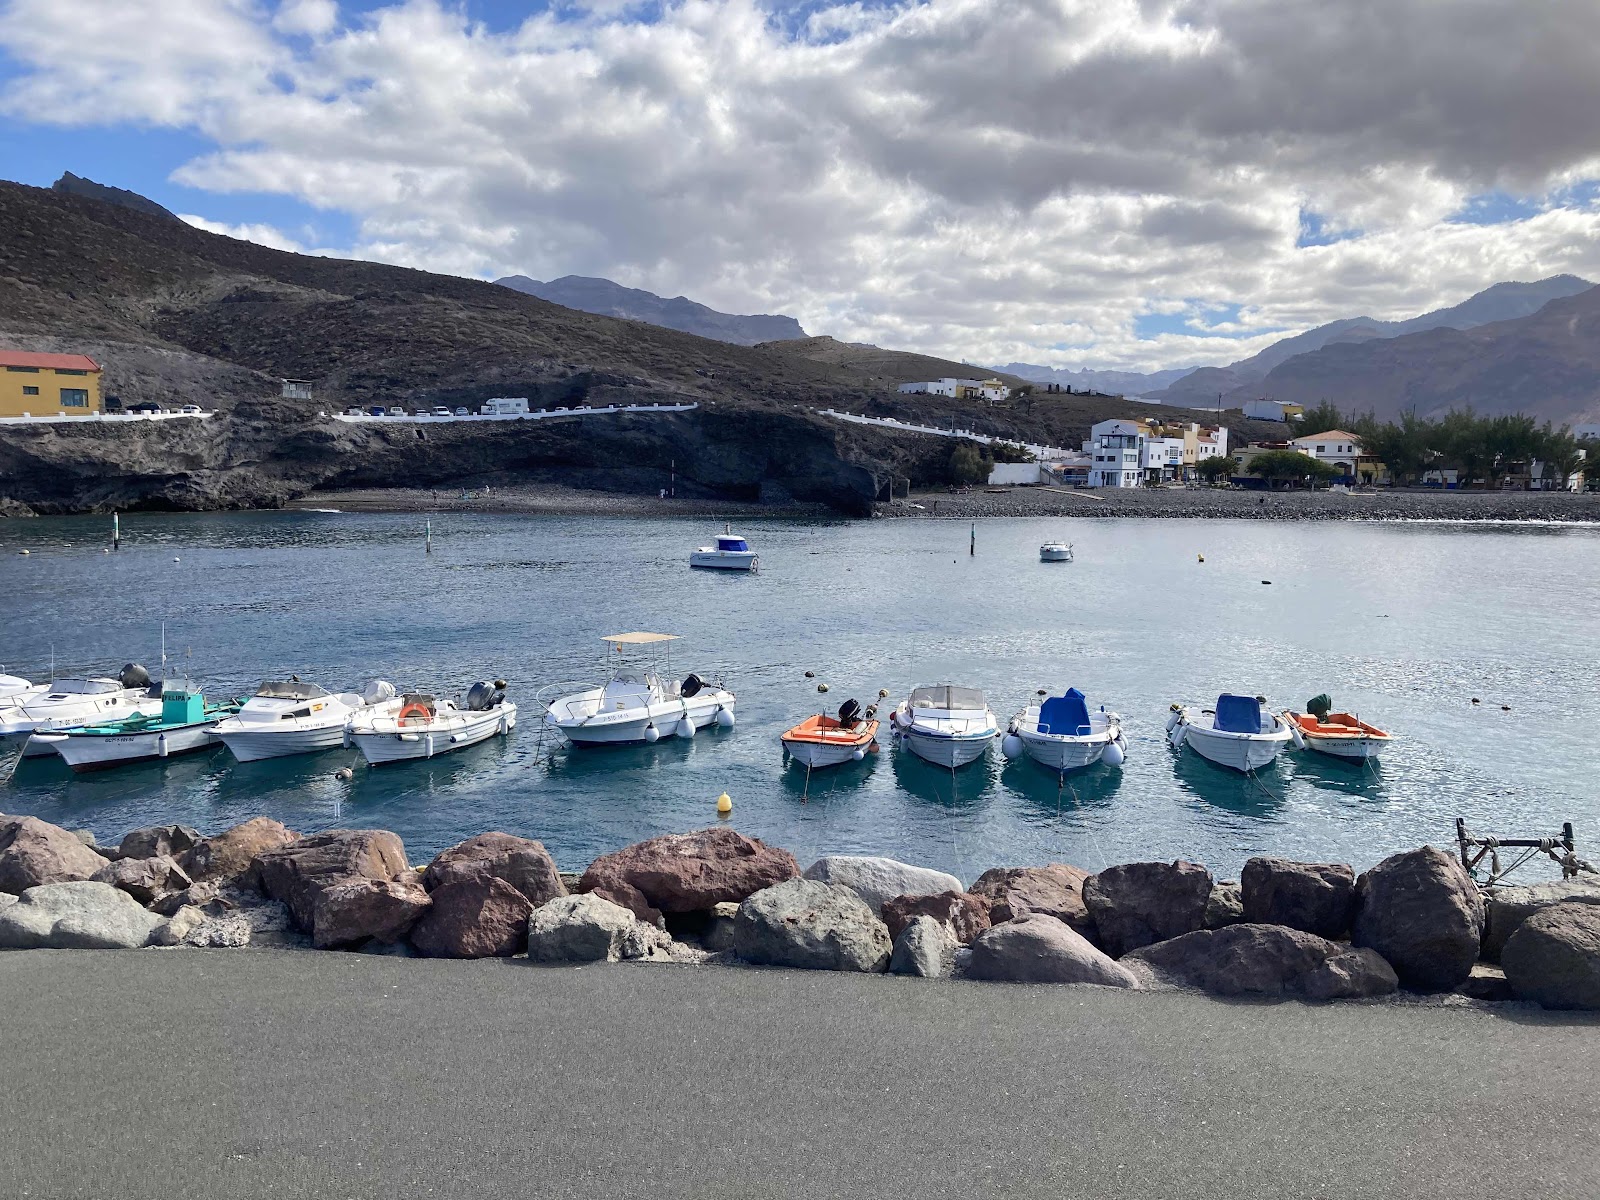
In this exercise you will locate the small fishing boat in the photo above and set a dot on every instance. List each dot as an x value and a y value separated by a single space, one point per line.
1340 734
640 701
294 717
76 701
731 553
947 726
1063 735
824 741
1236 733
184 725
1055 552
424 726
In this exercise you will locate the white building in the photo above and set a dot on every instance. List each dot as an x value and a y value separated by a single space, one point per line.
1338 449
1126 453
992 390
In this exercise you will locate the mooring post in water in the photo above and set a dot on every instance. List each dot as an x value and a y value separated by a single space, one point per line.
972 546
116 532
427 526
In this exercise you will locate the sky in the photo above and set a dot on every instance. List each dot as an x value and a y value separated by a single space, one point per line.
1129 184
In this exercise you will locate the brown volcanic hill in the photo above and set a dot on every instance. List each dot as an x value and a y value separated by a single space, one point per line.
886 368
1546 365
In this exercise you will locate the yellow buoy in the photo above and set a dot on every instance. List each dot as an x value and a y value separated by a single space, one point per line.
724 805
822 687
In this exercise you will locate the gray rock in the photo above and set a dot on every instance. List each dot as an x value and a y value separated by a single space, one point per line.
813 925
1422 912
588 928
1487 982
1318 898
1136 904
86 836
925 947
34 852
171 840
717 937
1264 960
1507 908
145 878
197 894
192 926
1225 905
77 915
1038 948
1552 958
878 879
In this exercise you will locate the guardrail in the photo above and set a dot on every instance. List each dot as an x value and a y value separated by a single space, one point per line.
95 418
1039 452
534 415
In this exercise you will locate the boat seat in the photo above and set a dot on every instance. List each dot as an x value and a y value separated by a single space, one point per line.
1237 714
1066 715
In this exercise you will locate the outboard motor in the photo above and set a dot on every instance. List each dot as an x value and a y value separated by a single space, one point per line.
691 687
133 675
483 696
378 691
849 714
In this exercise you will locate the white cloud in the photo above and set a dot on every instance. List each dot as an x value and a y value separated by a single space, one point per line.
992 182
262 235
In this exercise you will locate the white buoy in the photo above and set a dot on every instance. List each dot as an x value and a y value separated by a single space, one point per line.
858 753
1112 755
344 773
652 734
161 745
1011 745
685 728
725 718
24 552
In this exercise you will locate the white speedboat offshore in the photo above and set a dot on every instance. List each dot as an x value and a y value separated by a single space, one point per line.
731 553
1055 552
1063 735
295 717
424 726
1237 733
948 726
183 725
638 703
76 701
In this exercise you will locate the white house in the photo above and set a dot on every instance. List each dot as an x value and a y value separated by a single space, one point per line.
1115 449
1338 449
1125 453
986 389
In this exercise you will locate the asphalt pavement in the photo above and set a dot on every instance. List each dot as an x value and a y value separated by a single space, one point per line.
221 1074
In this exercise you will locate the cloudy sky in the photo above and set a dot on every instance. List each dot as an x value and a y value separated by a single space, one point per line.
1107 183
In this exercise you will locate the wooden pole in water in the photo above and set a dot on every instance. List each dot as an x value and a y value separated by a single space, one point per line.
427 526
116 532
972 546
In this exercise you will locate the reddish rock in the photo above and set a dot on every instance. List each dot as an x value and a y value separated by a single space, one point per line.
1318 898
347 913
231 854
687 872
481 917
145 878
298 873
523 863
170 840
1056 890
1421 911
33 852
1137 904
1265 960
962 913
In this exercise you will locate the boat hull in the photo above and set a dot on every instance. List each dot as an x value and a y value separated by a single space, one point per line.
629 727
1065 753
253 745
1238 752
713 560
100 752
1047 555
943 750
404 744
1355 749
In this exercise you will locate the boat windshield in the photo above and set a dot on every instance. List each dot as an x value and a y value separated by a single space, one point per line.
84 687
732 543
948 698
276 690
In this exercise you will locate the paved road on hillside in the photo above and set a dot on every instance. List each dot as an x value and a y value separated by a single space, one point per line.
267 1073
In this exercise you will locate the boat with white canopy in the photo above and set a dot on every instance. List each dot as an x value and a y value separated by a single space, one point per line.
1062 734
295 717
640 700
945 725
1055 552
731 553
1237 733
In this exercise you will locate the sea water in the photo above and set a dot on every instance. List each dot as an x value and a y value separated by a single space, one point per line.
1405 624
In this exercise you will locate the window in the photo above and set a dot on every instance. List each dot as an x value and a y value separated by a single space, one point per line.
69 371
24 370
30 391
74 398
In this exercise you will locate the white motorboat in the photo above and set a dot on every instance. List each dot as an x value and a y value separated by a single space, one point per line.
294 717
424 726
1063 735
183 725
1055 552
76 701
1237 733
947 726
14 689
638 703
731 553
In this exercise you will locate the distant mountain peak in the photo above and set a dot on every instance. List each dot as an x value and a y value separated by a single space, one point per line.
606 298
77 185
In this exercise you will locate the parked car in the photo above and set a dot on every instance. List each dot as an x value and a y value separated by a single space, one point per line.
148 406
442 411
376 410
461 412
396 411
191 410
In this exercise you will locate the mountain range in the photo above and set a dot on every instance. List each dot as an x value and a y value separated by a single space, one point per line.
608 299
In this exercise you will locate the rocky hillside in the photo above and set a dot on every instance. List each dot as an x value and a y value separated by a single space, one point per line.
610 299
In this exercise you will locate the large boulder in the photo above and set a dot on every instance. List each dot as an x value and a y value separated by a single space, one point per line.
925 947
965 915
876 880
483 917
687 872
193 926
1225 905
145 878
1038 948
351 912
1056 889
588 928
818 926
158 840
231 854
1265 960
1504 909
33 852
522 862
298 872
1421 911
77 915
1318 898
1554 957
1137 904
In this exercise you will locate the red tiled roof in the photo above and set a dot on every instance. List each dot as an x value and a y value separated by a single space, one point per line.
1331 435
57 362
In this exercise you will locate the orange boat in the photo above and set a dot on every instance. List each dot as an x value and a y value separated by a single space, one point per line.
824 741
1339 734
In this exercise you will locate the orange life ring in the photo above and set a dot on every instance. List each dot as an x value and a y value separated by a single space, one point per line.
414 710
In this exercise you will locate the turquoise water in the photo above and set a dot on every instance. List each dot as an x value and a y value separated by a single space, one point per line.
1404 623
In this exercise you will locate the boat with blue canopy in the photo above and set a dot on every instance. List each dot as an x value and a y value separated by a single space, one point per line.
731 553
1062 734
1238 733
